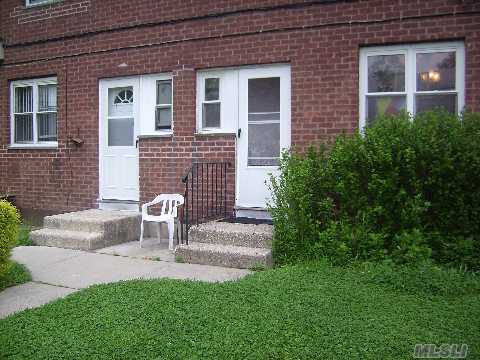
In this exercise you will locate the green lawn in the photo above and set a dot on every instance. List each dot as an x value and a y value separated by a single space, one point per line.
18 274
24 236
299 312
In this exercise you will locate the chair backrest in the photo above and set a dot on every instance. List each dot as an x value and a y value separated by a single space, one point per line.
170 202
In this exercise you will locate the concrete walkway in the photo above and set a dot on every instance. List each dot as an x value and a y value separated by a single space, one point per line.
58 272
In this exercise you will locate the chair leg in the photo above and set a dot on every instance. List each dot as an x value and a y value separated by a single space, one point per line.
177 222
141 233
171 226
159 232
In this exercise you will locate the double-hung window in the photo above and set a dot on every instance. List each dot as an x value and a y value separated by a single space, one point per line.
164 105
217 101
412 78
34 112
211 104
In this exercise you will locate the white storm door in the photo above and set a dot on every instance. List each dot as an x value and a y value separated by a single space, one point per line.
264 130
118 139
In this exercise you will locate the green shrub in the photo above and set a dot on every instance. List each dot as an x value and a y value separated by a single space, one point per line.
423 278
407 189
9 222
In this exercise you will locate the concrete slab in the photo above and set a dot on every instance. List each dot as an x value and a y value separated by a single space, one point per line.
152 249
80 269
29 295
42 256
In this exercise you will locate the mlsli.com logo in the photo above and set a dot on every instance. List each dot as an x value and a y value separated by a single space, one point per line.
443 351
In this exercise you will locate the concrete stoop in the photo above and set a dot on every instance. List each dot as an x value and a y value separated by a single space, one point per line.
88 229
241 246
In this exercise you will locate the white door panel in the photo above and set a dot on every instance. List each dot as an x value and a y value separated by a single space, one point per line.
264 124
118 139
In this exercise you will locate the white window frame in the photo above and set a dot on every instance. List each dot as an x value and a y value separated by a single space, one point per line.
28 3
164 106
202 78
410 51
34 83
147 98
228 99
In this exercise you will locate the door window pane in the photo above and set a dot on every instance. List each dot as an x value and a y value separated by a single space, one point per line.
429 102
386 73
273 116
120 101
47 97
384 105
263 144
211 115
163 118
23 100
164 92
120 132
212 89
23 128
263 121
436 71
264 95
47 126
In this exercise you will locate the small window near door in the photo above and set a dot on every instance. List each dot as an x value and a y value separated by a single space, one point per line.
34 113
164 105
211 104
413 78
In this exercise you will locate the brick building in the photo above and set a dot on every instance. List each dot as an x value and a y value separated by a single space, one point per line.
105 102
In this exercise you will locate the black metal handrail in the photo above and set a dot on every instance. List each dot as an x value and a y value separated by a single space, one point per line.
205 194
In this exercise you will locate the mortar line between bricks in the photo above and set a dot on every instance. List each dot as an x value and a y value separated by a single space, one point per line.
240 34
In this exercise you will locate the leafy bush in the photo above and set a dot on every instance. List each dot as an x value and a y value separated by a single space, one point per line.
9 222
407 189
422 279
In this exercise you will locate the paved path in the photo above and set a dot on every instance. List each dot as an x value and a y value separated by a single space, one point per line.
58 272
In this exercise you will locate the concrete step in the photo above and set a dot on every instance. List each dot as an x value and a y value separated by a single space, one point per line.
223 233
93 220
240 257
68 239
88 229
118 205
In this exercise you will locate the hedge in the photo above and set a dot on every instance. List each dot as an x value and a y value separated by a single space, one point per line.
9 223
407 189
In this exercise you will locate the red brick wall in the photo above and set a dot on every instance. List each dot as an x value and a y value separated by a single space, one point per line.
320 41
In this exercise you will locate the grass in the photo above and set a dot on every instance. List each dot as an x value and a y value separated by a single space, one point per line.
24 236
16 275
297 312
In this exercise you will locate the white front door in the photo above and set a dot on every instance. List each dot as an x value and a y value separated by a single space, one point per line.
118 139
264 130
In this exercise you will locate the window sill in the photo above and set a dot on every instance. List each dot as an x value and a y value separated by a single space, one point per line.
215 133
157 135
33 146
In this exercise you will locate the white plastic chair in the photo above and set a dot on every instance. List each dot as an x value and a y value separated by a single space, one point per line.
167 215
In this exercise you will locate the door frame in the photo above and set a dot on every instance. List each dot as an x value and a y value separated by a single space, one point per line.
103 86
262 71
